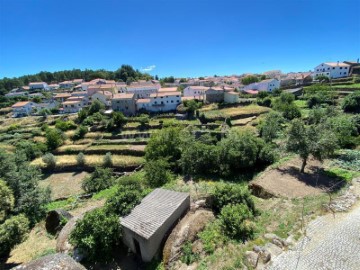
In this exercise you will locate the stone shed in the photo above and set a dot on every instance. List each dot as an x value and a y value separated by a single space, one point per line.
145 228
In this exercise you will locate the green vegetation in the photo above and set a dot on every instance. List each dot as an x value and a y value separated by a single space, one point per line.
100 179
96 234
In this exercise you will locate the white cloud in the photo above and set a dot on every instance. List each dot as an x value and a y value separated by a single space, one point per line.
148 69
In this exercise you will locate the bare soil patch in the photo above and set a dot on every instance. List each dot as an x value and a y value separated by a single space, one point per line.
64 184
287 181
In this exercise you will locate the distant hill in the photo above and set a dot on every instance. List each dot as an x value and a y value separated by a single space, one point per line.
124 73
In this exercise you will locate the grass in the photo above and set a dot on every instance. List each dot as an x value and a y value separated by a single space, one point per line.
355 85
341 174
301 103
39 243
93 161
236 112
64 184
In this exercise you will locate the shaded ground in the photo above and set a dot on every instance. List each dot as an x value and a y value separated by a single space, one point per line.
39 243
330 242
287 181
64 184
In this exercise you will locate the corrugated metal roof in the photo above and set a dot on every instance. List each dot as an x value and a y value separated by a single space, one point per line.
153 211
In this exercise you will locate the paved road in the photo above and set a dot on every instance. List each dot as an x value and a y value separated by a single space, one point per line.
331 244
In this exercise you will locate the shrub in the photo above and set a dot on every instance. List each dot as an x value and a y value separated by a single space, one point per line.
49 160
225 194
6 200
80 133
107 161
188 256
12 232
157 172
100 179
236 221
80 159
65 125
125 199
212 236
96 234
54 138
351 103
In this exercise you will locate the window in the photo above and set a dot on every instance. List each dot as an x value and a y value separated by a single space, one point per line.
328 68
172 101
340 73
340 67
333 67
345 67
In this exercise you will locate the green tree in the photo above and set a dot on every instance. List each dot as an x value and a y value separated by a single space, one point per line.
96 106
119 119
351 103
270 127
65 125
97 234
54 138
125 199
107 161
157 172
7 200
80 159
314 140
80 133
12 232
249 79
164 144
100 179
49 160
344 128
225 194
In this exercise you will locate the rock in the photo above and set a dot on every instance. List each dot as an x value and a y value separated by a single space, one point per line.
252 258
198 247
290 241
277 242
265 256
52 262
55 220
257 249
273 249
270 236
186 230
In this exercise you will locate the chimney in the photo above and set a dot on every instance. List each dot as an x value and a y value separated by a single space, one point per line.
358 60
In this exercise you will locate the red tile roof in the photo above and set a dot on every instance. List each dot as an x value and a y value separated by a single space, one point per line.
20 104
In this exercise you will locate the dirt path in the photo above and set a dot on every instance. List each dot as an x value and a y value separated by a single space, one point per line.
331 243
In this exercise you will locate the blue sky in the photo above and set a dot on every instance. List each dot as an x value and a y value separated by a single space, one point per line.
179 37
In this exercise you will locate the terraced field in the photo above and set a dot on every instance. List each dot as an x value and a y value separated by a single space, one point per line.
235 112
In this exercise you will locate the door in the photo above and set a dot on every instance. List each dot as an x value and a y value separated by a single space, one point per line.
137 248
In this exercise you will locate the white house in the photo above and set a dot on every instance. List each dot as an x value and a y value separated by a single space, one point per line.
38 85
196 92
23 108
231 97
53 86
103 96
66 84
142 91
72 106
265 85
143 104
332 70
165 101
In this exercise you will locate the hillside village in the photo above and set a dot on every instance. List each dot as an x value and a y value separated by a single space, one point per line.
222 172
150 96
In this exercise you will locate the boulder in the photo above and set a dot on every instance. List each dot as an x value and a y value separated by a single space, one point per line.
62 243
273 249
252 258
52 262
56 219
185 231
